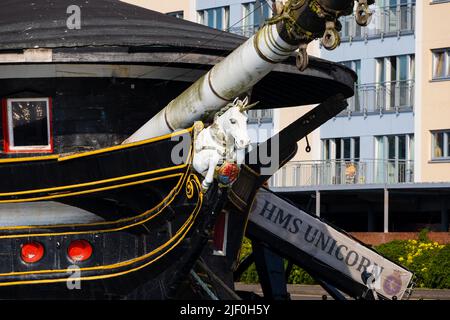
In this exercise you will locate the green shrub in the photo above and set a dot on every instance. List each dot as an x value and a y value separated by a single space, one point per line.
297 275
393 250
439 274
421 257
250 275
423 235
300 276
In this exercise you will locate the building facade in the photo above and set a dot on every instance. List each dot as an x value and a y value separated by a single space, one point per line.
184 9
384 163
373 140
245 17
432 121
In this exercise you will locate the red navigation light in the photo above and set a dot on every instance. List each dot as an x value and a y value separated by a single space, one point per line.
79 250
32 252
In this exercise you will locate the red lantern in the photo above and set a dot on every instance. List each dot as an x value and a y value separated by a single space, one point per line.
32 252
79 250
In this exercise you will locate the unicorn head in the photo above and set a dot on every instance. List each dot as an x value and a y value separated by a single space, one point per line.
232 120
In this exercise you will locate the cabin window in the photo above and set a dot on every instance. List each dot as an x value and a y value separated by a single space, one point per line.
27 125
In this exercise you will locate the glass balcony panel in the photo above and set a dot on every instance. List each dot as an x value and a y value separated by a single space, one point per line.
344 172
387 20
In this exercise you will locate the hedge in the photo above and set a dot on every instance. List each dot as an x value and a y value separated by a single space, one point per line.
429 261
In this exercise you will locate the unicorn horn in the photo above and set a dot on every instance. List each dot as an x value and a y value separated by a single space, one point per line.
248 107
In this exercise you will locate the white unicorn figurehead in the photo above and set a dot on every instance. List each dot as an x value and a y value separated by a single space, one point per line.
232 121
221 142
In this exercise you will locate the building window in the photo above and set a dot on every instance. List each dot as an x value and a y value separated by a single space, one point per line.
217 18
355 65
394 161
394 87
260 116
341 161
248 24
441 64
341 149
441 145
354 103
176 14
27 125
254 15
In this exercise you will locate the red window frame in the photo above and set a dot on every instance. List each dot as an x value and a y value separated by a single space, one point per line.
7 148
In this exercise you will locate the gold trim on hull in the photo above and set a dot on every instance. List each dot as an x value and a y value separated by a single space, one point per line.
60 157
176 239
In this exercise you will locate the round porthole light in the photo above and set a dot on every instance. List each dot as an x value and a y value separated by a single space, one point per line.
32 252
79 250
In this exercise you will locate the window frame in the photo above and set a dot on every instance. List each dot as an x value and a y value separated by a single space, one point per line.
8 129
446 143
203 17
446 66
330 145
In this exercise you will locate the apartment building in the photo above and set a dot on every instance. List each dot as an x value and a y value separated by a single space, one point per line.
242 17
382 164
184 9
373 140
432 121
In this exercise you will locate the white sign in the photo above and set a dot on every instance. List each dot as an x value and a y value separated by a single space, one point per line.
330 246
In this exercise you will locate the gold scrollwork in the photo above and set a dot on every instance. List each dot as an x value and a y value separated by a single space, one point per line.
191 184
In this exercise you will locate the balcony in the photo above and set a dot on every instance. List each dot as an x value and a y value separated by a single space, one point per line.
390 96
341 172
386 21
246 30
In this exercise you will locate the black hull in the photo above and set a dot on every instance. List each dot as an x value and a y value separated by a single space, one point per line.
154 223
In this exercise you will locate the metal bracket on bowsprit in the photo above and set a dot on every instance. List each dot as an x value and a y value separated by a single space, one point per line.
280 148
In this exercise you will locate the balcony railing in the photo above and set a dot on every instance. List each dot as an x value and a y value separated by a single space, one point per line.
246 30
342 172
382 96
386 21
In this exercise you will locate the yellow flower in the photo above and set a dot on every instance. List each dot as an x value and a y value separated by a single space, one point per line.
414 241
435 243
400 259
423 269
